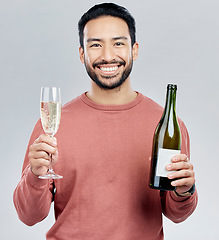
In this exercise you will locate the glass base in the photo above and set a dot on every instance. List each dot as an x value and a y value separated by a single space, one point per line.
50 175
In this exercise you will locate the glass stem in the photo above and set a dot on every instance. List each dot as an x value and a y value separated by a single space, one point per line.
50 170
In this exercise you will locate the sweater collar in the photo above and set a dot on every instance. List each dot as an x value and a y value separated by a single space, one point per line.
126 106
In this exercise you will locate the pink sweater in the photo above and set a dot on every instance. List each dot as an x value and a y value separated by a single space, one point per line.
104 157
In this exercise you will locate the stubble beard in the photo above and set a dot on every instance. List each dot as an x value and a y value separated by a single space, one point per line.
113 85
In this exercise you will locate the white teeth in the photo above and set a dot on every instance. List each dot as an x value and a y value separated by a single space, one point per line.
109 69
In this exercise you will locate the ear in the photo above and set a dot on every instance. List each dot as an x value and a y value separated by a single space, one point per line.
135 51
81 53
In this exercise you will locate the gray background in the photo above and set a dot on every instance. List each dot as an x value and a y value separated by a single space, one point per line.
179 43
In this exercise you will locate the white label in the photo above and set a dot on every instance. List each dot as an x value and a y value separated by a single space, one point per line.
164 158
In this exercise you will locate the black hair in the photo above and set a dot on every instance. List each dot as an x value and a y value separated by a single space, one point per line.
107 9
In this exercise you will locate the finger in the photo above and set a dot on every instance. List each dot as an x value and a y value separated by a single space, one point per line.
40 162
179 166
42 146
183 182
46 139
179 158
181 174
39 154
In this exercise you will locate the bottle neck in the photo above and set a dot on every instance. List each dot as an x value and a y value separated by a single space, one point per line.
170 101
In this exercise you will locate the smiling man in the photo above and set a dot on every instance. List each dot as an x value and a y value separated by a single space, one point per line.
104 146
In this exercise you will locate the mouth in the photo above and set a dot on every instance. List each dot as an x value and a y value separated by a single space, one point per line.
109 68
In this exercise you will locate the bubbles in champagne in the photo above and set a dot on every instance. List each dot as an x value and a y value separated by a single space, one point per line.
50 117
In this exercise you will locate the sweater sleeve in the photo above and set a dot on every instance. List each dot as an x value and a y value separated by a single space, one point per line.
32 196
174 207
178 208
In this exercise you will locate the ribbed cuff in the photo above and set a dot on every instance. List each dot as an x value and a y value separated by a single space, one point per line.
178 198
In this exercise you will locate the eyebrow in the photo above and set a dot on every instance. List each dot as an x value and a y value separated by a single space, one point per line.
99 39
120 38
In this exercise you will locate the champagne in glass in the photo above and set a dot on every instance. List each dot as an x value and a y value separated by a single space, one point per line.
50 111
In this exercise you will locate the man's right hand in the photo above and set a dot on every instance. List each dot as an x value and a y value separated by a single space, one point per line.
39 153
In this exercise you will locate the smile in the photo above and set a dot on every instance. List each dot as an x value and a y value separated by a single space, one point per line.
109 69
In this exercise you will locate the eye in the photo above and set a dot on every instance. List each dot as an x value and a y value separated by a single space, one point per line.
95 45
118 44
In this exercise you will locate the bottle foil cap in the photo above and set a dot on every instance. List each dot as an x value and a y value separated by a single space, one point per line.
172 86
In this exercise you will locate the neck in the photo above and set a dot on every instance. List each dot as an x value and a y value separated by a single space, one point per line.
118 96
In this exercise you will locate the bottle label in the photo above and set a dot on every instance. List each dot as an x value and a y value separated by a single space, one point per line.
164 158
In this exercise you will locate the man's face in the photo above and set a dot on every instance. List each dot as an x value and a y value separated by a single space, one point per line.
108 54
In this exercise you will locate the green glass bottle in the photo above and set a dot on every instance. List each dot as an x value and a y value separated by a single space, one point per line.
166 143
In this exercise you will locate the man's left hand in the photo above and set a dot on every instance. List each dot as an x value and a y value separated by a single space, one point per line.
184 174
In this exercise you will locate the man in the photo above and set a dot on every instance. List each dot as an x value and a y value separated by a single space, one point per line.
103 148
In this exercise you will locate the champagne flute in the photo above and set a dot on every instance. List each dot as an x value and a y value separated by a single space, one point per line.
50 111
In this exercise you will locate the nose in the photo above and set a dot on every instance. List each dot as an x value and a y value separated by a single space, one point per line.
108 53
